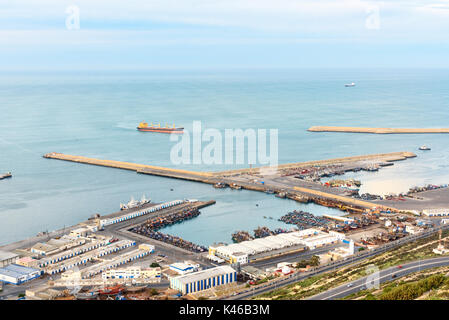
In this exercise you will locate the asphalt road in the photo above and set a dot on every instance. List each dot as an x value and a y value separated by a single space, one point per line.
382 276
267 287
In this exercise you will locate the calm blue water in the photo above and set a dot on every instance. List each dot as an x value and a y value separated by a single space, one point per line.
95 114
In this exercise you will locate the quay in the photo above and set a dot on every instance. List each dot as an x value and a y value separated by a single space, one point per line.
281 179
377 130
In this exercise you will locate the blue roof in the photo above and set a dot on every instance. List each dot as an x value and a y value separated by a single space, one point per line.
14 270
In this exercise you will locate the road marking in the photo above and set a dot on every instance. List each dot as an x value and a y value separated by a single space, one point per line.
387 275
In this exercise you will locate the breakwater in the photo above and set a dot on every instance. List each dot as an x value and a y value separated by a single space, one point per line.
377 130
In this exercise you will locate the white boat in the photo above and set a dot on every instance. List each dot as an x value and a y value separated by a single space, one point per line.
134 203
352 84
424 148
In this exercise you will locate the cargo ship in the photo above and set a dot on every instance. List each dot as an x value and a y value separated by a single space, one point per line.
6 175
143 126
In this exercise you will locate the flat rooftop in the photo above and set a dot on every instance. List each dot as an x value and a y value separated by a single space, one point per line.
6 255
16 271
205 274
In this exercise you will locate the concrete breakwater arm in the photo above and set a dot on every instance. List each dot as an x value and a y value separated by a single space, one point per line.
377 130
141 168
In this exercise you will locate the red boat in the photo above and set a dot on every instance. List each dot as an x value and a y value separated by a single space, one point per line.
143 126
111 290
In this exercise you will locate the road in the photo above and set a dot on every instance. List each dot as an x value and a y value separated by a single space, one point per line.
359 256
383 276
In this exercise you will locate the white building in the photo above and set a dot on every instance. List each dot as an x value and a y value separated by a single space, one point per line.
7 258
184 267
16 274
436 212
133 272
239 252
204 279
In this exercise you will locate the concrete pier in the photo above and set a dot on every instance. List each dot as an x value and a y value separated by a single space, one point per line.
295 189
377 130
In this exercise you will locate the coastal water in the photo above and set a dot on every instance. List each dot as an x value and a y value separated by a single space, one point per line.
95 115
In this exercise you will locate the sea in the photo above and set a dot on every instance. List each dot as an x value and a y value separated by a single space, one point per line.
95 114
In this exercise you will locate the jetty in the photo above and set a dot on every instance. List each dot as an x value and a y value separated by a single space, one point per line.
277 180
377 130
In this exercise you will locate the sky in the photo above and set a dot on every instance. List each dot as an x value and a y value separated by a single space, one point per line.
150 34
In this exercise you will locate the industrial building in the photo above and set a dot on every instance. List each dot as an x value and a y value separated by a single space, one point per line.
7 258
72 261
17 274
132 215
116 262
94 244
204 279
184 267
133 272
239 252
53 246
436 212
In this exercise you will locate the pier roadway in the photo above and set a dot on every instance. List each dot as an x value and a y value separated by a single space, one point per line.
246 177
120 230
377 130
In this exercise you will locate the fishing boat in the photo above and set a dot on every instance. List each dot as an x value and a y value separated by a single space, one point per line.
5 175
424 148
144 127
134 203
352 84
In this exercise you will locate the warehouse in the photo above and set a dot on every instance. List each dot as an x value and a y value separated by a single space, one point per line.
319 241
132 215
134 272
73 261
7 258
16 274
95 244
204 279
184 267
114 263
239 252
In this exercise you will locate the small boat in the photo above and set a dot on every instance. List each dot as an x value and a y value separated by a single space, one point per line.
352 84
5 176
424 148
